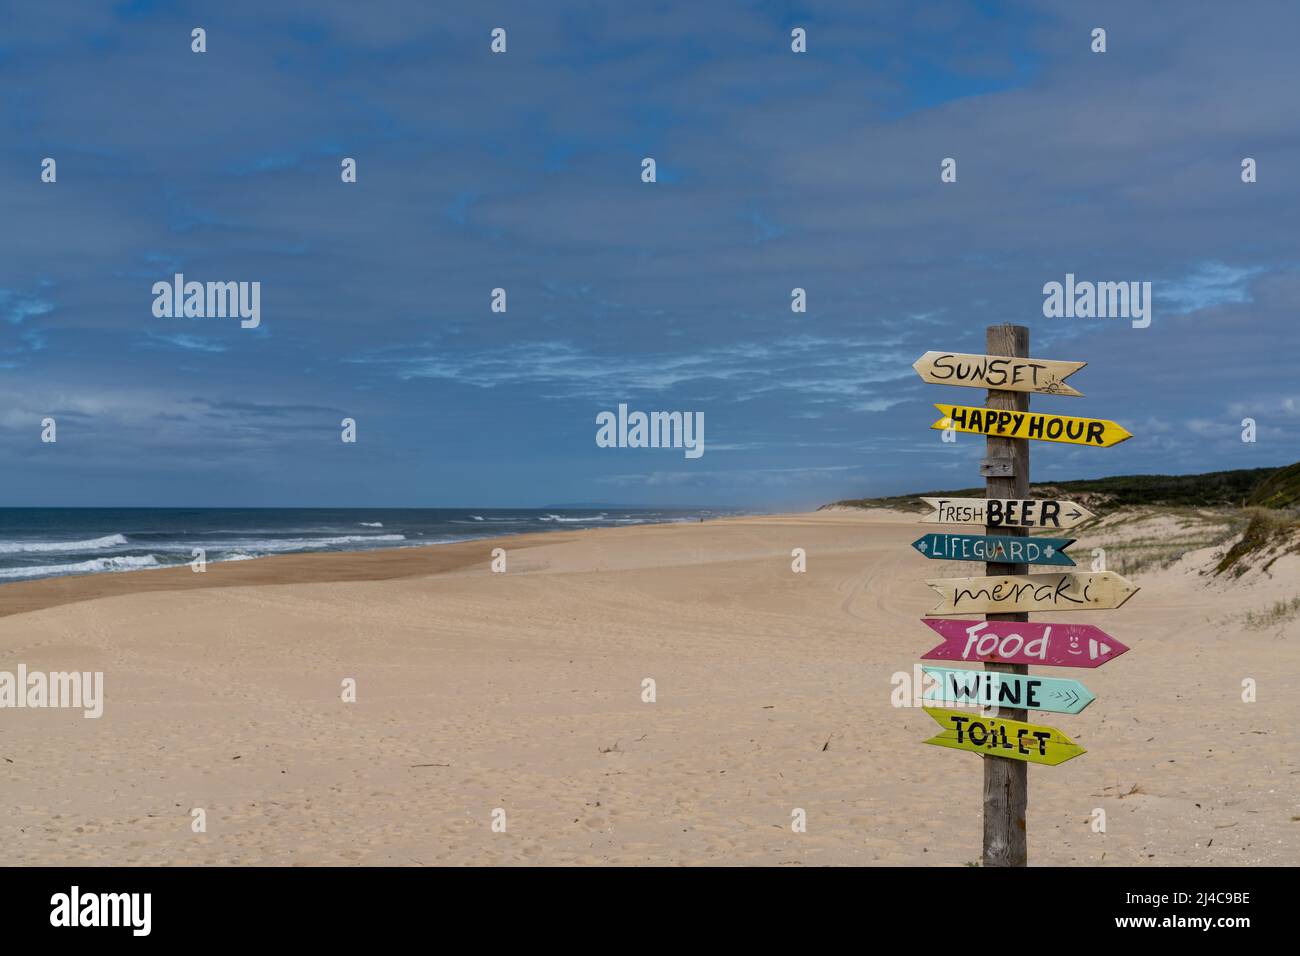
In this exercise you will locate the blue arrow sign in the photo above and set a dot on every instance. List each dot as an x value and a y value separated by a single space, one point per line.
995 547
995 689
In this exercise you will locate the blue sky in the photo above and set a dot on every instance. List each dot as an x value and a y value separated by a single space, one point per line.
522 171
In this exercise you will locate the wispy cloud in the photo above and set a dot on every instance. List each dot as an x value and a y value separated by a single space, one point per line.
191 343
1208 285
795 366
724 478
17 307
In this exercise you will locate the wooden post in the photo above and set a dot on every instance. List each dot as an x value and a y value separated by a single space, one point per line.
1006 788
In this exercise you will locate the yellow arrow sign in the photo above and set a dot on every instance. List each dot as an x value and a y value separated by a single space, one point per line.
969 730
1065 591
1097 432
998 371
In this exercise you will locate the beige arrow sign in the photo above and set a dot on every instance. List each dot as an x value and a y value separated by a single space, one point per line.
997 371
1069 591
1007 512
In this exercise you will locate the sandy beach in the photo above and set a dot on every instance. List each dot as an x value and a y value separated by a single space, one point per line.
523 691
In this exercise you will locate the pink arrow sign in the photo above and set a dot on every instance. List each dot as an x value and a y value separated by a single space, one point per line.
1016 642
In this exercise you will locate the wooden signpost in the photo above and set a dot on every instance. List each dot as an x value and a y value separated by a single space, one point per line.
1007 512
998 371
1060 695
1006 643
994 547
1061 645
1097 432
1062 591
965 730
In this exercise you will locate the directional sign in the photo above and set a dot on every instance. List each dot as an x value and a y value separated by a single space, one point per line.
1097 432
1007 512
1022 642
997 371
994 547
967 730
1064 591
1061 695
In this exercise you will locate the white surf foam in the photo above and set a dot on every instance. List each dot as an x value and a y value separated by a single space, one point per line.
94 565
90 544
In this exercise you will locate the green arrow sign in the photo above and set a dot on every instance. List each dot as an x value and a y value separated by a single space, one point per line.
996 689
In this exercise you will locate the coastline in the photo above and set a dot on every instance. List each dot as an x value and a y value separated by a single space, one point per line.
41 543
524 692
317 567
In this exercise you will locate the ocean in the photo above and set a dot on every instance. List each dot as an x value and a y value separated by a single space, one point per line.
53 542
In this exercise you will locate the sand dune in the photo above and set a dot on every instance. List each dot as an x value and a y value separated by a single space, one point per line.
523 691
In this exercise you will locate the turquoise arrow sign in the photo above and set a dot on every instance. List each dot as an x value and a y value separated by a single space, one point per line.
994 547
996 689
